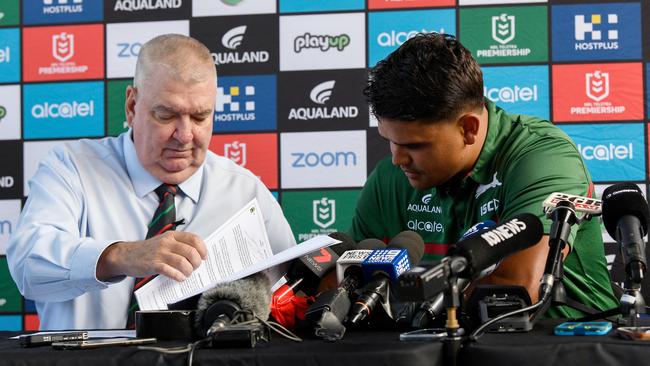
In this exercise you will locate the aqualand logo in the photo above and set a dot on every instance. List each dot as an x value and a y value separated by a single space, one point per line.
137 5
235 151
424 207
320 94
322 42
231 40
324 212
584 28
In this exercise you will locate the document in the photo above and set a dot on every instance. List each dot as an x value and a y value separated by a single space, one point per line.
238 248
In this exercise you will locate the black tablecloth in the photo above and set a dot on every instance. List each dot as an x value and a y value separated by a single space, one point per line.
542 347
356 348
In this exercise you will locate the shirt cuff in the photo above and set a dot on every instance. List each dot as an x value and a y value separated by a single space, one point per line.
83 271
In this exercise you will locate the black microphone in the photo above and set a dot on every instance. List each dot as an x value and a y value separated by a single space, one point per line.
217 307
471 256
330 307
625 215
306 272
384 268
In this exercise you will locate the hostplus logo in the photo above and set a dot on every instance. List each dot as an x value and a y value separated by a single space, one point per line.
62 51
424 206
231 40
321 94
589 34
235 104
62 6
322 42
236 151
597 86
136 5
503 32
324 213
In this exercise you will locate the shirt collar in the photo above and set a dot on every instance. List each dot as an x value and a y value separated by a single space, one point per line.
483 169
144 183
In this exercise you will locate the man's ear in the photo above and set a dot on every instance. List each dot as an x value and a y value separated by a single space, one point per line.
470 124
129 105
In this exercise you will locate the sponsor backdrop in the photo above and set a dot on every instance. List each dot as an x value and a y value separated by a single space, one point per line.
291 73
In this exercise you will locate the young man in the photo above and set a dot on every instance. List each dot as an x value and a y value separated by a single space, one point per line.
457 160
83 235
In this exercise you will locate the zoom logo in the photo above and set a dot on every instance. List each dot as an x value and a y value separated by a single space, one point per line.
128 49
323 159
322 42
327 159
428 226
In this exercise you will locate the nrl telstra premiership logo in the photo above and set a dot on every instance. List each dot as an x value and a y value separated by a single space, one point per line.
236 151
503 28
63 46
597 85
324 212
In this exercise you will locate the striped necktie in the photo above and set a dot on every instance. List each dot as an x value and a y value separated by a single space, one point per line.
164 219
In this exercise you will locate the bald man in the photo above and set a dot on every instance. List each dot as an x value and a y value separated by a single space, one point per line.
82 237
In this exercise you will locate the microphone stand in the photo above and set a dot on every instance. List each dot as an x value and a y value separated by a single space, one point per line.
551 290
453 341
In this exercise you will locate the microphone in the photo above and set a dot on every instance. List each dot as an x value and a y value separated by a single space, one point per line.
382 267
587 205
305 275
625 215
218 306
429 310
328 311
471 256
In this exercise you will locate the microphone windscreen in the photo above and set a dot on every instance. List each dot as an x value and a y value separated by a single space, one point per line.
489 247
346 242
370 244
250 293
624 199
412 242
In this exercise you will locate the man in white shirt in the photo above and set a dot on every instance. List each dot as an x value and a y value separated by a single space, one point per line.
80 240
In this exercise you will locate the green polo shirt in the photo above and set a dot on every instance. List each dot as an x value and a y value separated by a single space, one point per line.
524 159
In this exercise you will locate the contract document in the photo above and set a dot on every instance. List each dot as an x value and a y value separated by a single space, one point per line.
238 248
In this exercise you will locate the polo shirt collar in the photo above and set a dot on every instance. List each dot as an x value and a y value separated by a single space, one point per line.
483 171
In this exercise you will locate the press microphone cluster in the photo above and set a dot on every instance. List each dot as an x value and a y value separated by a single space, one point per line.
471 256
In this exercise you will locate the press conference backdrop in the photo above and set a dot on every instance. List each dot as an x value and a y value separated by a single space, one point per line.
289 104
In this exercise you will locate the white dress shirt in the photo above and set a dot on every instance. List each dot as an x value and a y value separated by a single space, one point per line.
89 194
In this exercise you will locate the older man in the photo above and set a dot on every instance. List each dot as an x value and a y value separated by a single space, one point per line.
101 213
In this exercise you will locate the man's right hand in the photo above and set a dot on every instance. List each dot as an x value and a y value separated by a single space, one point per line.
175 254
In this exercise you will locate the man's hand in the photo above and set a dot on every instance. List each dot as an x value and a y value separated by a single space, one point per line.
175 254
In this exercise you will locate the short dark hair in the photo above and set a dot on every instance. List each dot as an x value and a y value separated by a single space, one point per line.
431 78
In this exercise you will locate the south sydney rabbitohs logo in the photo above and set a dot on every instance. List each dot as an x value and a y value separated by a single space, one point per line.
321 94
324 212
231 40
236 151
424 207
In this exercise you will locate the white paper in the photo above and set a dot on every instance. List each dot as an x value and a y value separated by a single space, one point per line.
238 248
